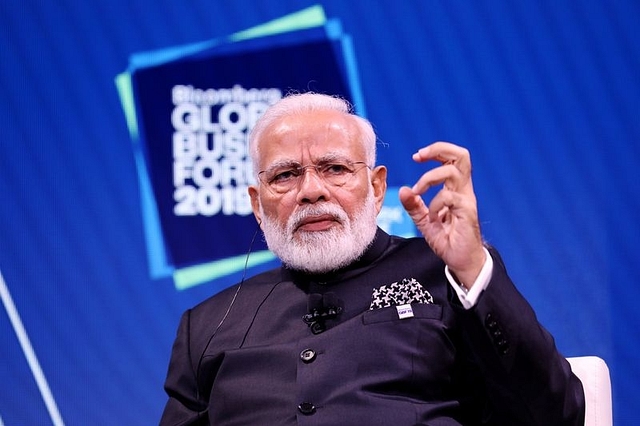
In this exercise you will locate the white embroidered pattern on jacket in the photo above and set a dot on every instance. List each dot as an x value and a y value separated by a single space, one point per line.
407 291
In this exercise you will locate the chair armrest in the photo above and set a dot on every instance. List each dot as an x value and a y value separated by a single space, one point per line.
594 375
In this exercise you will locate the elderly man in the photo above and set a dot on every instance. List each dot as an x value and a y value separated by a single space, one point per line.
359 327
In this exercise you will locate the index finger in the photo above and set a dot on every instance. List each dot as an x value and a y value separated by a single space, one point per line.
446 153
447 174
440 151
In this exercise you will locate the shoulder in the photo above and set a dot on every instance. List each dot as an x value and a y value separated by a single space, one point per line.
248 290
417 243
411 250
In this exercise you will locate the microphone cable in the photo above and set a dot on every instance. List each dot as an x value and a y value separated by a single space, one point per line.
226 314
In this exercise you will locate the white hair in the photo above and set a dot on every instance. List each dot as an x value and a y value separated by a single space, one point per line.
297 103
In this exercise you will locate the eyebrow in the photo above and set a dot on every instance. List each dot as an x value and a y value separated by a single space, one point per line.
330 157
282 164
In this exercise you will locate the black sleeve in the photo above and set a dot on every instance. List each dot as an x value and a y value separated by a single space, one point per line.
528 381
185 406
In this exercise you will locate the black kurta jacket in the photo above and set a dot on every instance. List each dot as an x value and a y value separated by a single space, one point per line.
247 357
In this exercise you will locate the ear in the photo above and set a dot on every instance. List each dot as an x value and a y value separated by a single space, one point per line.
379 183
255 203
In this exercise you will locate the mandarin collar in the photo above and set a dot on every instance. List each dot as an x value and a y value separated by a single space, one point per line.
380 243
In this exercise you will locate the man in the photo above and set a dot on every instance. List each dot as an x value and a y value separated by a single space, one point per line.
359 327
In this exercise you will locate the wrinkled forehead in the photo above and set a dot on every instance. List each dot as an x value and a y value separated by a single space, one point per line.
310 137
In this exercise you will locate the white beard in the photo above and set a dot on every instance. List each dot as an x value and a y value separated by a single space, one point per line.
322 251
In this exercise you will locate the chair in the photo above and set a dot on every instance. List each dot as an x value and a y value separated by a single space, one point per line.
594 375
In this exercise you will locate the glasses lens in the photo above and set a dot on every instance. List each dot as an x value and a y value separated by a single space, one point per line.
336 174
283 180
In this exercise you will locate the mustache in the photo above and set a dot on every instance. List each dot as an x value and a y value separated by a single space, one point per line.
301 215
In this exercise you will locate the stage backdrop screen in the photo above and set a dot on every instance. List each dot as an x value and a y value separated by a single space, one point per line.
124 168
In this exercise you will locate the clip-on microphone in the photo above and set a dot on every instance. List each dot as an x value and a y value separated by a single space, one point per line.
321 308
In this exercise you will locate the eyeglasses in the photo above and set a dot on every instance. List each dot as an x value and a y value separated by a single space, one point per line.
283 179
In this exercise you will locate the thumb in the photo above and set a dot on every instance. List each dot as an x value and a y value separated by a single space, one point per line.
414 205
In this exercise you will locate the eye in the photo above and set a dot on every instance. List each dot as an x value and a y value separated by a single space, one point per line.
335 169
284 176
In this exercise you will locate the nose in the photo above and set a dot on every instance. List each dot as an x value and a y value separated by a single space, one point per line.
312 188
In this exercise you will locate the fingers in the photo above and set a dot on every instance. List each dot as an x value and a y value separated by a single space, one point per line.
449 223
446 202
455 172
446 153
413 204
449 175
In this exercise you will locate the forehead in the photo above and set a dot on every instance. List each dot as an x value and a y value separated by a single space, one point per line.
311 135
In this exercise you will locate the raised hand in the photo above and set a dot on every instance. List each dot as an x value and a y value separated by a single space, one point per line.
450 222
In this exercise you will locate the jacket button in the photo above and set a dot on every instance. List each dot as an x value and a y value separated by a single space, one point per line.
307 408
503 345
490 322
308 355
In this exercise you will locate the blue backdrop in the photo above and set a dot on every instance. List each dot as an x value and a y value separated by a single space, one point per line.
545 94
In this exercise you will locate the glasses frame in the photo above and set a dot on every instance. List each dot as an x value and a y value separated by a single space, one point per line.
300 172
